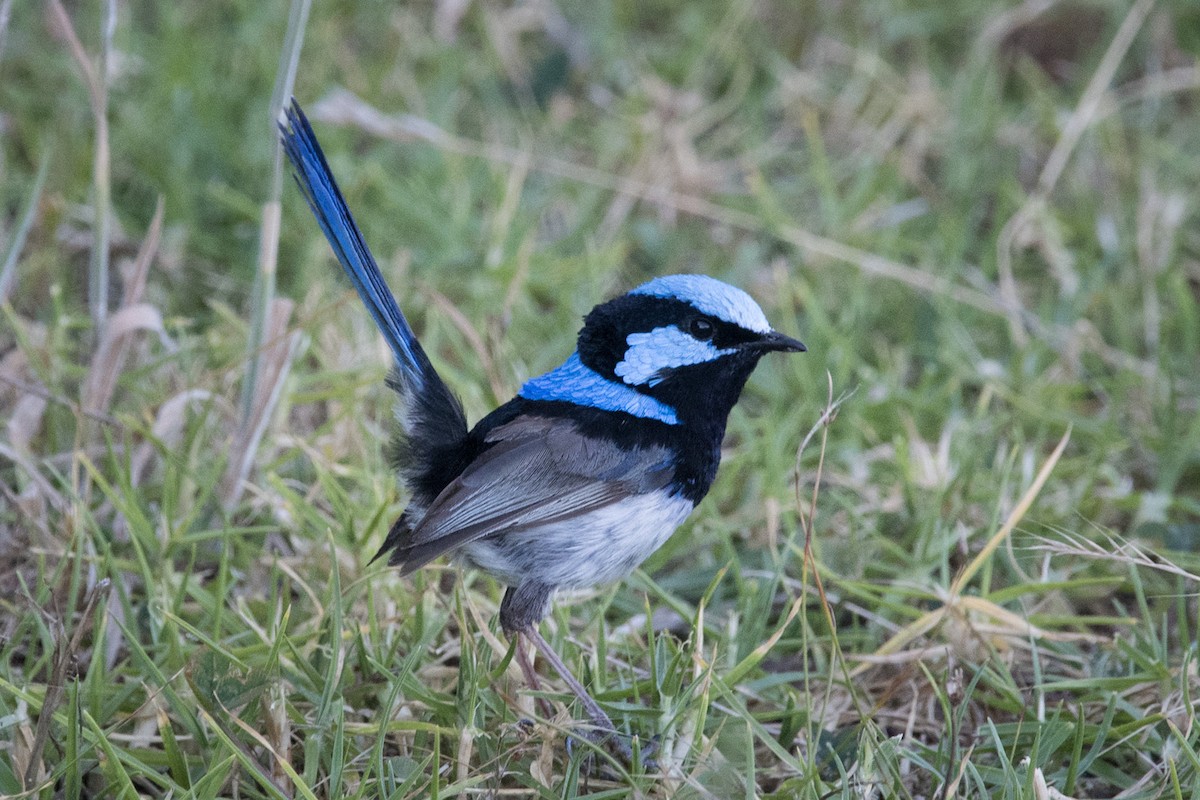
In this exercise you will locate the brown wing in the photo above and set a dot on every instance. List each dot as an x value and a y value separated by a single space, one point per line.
537 471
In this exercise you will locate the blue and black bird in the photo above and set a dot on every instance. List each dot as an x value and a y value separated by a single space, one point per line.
590 468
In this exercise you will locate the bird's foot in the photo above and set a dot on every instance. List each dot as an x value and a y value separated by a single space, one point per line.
630 749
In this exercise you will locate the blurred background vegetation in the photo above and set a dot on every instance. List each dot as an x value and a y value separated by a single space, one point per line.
979 216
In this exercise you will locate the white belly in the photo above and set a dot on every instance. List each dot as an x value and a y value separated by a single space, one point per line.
601 547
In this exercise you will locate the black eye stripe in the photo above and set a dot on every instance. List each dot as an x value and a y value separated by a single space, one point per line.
604 338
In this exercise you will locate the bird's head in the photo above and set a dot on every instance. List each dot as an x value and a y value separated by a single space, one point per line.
688 341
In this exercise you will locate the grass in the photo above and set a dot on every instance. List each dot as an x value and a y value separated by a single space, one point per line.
976 578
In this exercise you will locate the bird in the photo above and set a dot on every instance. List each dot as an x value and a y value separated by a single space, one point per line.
590 468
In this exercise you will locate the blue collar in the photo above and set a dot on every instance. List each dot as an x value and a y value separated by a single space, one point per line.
575 383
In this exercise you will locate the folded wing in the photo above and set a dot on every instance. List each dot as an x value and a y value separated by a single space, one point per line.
538 471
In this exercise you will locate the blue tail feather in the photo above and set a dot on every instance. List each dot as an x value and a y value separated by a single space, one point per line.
433 426
327 204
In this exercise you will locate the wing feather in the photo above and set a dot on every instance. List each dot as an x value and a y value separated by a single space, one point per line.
538 471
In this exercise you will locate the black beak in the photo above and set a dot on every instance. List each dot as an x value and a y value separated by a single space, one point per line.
777 341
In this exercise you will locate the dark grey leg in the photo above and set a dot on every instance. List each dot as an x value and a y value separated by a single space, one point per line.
526 665
599 719
522 609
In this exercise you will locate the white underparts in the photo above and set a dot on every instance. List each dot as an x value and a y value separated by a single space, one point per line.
599 547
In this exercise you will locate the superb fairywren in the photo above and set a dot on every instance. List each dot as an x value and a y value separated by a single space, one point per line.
587 471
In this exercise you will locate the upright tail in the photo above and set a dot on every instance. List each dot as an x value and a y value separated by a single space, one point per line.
434 426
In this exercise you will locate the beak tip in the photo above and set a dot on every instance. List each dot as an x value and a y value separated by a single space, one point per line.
786 344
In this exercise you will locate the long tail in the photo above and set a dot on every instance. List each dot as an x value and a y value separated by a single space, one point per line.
329 207
434 426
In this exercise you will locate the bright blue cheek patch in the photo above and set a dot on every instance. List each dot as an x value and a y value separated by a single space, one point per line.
575 383
664 348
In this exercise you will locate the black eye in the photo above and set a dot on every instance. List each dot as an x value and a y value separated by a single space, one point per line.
701 328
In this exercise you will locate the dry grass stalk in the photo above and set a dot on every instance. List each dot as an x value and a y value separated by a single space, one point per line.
277 358
959 606
108 362
65 651
168 429
1086 112
1113 548
110 356
96 80
500 388
16 242
263 300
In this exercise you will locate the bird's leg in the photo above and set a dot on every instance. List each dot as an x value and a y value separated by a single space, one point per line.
522 608
531 677
599 719
526 664
606 733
